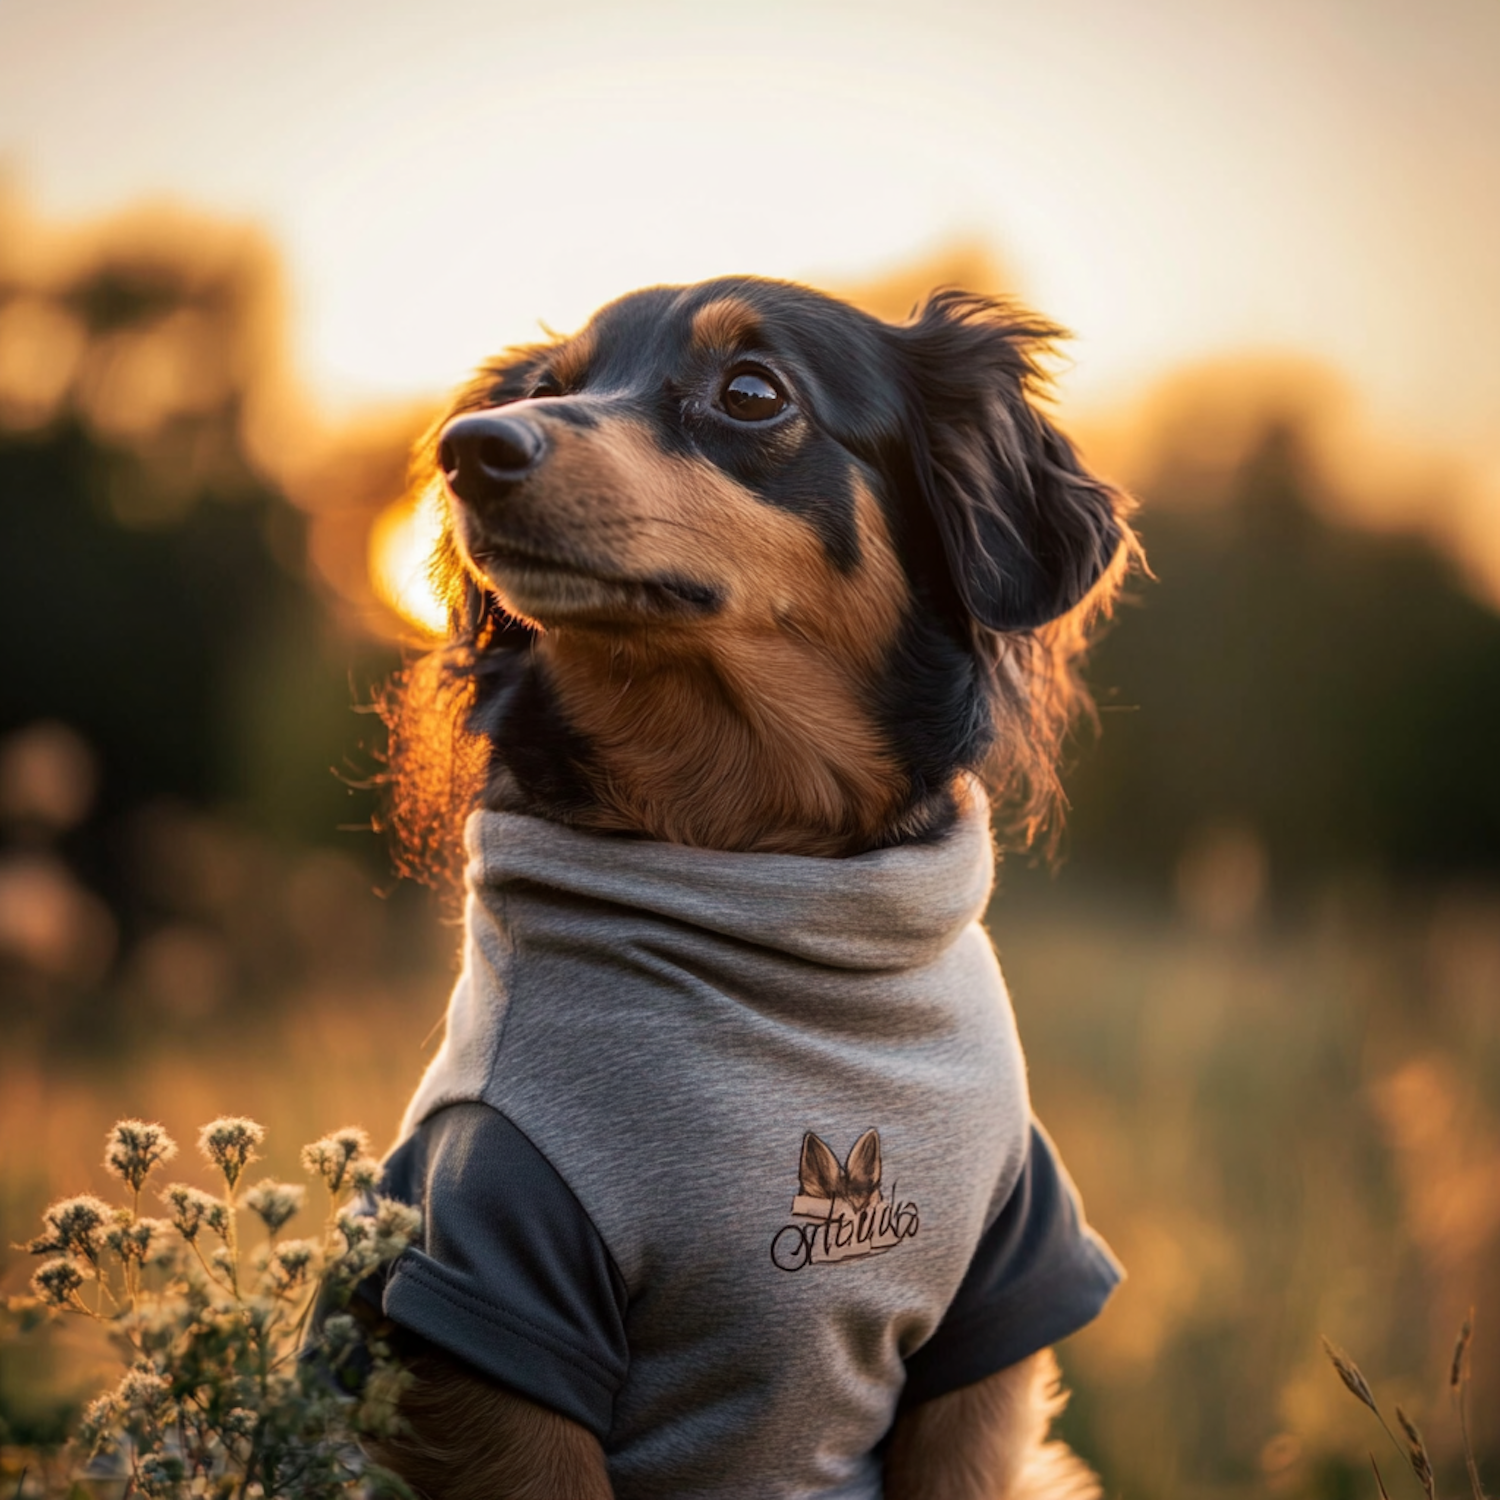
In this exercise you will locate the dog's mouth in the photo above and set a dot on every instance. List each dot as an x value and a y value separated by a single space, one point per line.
544 586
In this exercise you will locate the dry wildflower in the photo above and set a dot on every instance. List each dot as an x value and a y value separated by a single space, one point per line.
364 1174
397 1224
356 1228
193 1209
291 1262
153 1326
340 1335
132 1239
220 1402
229 1143
41 1244
56 1282
160 1474
275 1202
379 1410
375 1236
98 1417
259 1314
1349 1373
330 1157
133 1148
240 1422
75 1226
142 1389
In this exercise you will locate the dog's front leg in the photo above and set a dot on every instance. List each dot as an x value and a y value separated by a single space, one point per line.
987 1441
463 1437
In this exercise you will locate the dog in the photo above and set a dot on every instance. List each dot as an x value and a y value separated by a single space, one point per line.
741 570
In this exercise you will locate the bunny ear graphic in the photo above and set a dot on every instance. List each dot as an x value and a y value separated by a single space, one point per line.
819 1171
863 1171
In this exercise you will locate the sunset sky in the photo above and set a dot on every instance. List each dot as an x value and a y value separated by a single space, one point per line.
1173 179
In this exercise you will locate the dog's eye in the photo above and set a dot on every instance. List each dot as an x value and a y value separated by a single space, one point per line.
546 386
752 396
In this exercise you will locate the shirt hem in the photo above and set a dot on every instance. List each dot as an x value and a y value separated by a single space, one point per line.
524 1359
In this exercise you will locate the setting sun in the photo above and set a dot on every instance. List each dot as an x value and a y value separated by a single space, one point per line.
401 543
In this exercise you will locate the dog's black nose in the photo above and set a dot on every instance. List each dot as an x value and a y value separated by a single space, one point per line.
484 454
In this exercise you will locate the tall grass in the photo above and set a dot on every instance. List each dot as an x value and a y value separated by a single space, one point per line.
1284 1129
1410 1446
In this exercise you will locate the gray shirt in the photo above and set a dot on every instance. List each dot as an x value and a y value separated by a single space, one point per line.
717 1145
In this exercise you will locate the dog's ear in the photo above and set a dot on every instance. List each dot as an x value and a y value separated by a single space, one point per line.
819 1174
1025 530
862 1174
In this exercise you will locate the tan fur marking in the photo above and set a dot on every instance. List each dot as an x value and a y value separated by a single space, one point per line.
726 325
988 1441
465 1438
745 729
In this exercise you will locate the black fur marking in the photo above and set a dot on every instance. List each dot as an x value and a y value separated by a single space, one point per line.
933 702
701 598
517 710
812 478
574 413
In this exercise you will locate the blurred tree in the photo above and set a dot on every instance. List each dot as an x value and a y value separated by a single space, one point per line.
1304 699
136 637
154 585
1329 689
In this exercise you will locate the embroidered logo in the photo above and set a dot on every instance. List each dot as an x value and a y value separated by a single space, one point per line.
843 1213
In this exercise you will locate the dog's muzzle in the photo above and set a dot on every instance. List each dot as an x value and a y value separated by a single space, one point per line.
484 455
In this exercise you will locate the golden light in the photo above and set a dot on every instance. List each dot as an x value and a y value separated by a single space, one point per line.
401 543
1125 163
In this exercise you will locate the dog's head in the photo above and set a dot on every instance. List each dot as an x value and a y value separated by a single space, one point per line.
741 565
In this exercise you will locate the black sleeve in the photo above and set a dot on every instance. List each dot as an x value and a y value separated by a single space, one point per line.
1039 1274
511 1277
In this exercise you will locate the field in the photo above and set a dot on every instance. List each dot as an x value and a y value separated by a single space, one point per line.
1286 1129
1261 998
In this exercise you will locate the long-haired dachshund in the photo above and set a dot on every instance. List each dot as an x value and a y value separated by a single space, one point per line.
751 595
